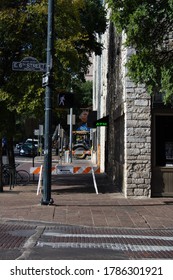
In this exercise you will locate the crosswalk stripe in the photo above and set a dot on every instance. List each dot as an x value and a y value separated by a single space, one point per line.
112 246
167 238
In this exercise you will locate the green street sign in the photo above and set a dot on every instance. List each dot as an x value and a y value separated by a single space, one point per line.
101 124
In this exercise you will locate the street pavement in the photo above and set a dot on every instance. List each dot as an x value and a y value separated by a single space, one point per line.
82 224
76 203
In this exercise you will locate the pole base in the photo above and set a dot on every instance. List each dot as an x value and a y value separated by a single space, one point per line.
47 202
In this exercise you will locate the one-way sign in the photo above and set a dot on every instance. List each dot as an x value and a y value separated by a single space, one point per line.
62 169
29 64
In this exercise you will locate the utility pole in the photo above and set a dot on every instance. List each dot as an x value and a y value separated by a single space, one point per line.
47 200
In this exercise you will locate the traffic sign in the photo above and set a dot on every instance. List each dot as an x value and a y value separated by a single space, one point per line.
45 80
73 119
102 122
64 169
36 132
40 129
29 64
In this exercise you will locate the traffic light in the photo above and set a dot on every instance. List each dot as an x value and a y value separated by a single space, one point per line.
65 100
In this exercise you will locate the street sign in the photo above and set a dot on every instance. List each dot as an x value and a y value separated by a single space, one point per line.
36 132
40 129
45 80
64 169
73 119
29 64
102 122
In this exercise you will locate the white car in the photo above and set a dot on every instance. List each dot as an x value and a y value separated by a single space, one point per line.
32 141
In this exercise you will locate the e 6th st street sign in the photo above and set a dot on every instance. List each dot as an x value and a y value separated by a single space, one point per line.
29 64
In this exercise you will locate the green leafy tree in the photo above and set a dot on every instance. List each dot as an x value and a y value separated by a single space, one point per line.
23 31
148 26
83 90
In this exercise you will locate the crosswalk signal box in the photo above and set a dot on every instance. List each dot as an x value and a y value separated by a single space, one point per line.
65 100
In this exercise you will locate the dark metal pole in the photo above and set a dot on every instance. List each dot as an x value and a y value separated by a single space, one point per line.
48 110
71 133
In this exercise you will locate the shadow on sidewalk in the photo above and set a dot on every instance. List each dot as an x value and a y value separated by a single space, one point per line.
82 183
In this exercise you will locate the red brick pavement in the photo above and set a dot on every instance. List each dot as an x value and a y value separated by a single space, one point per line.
80 206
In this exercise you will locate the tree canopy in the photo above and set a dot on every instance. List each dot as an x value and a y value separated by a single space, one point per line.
23 29
148 26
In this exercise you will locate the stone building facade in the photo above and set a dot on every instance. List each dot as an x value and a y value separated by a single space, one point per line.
136 148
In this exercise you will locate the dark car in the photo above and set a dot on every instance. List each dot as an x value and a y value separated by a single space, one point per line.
28 150
19 145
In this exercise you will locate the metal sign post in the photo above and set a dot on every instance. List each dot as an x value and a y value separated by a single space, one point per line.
32 64
47 200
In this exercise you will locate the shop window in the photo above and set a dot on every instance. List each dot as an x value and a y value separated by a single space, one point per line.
164 140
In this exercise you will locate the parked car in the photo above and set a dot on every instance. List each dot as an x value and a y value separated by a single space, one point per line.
19 145
28 150
81 151
32 141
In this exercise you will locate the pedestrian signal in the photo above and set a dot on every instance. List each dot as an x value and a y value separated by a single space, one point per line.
92 118
65 100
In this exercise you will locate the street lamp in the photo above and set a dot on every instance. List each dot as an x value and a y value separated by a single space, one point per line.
46 199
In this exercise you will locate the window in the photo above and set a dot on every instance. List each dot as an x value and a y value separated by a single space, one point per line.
164 140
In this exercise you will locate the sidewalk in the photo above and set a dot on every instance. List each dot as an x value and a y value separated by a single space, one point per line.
76 203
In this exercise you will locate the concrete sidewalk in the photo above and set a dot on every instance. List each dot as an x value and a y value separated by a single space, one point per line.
76 203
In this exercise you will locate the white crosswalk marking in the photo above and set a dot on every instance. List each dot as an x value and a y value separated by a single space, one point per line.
161 242
112 246
109 236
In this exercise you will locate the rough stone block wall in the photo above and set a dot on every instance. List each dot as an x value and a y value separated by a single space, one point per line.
137 141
